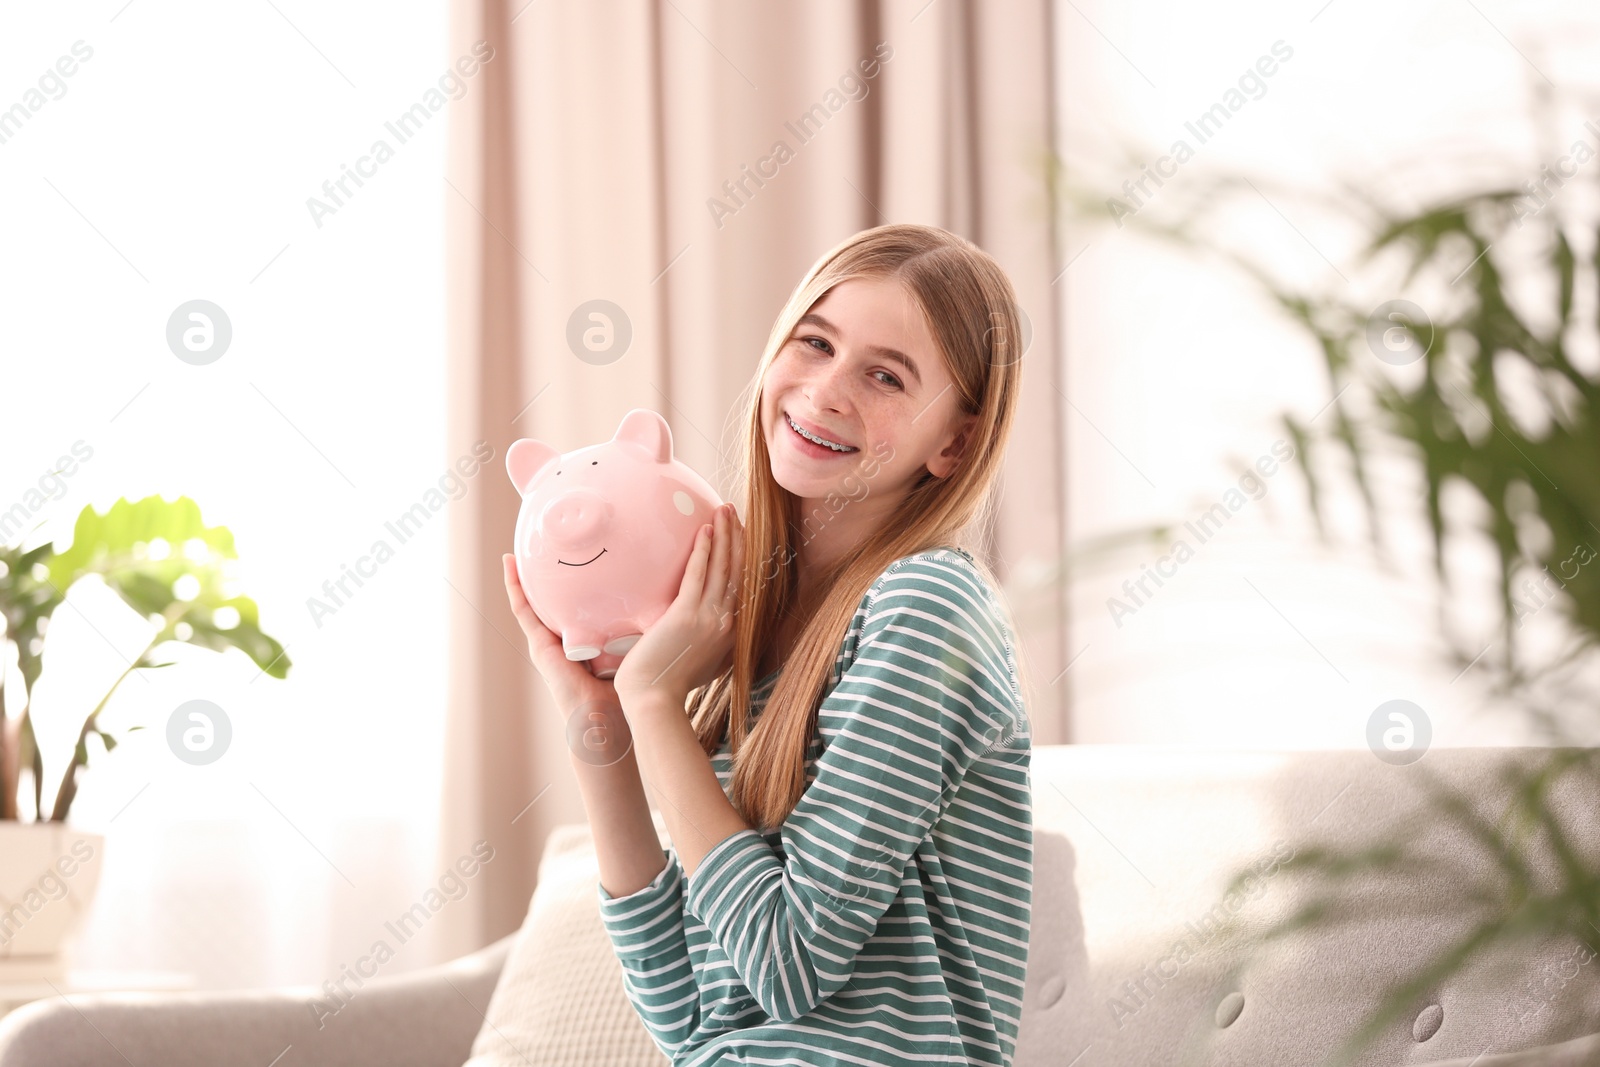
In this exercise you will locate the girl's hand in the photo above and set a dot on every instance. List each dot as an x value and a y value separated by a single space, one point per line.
572 685
691 644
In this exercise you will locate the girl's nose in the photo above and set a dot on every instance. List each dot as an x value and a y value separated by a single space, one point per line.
828 386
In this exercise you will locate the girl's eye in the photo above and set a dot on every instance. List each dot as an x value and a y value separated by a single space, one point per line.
826 347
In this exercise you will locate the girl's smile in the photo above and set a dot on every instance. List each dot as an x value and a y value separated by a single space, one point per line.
806 435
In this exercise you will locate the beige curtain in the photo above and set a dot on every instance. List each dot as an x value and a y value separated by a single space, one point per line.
629 152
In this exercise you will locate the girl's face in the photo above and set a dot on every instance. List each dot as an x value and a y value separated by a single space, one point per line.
861 369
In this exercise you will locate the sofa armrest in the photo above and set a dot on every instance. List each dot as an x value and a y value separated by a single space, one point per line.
425 1019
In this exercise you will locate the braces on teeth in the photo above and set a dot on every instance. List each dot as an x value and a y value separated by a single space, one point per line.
815 440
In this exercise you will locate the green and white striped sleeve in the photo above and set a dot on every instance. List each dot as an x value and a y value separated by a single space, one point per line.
646 931
927 693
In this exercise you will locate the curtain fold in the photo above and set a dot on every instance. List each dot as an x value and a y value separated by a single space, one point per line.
686 162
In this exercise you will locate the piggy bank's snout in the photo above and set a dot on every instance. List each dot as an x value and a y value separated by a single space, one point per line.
576 518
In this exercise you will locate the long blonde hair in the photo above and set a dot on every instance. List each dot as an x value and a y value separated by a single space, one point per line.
972 314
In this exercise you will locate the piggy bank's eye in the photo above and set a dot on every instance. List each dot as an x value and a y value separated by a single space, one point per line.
594 463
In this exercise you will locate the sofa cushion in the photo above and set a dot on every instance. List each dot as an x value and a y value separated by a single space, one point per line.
1136 955
560 1000
1579 1052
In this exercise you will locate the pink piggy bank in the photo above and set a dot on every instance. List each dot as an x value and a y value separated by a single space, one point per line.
605 534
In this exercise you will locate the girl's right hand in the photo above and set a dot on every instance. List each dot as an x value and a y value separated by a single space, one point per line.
572 685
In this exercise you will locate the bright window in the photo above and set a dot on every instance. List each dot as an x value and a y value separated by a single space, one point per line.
176 163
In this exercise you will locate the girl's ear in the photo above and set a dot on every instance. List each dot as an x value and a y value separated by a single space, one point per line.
942 465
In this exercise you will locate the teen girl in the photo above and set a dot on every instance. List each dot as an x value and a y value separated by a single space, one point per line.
830 713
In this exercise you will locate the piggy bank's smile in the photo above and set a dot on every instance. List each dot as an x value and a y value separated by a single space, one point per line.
585 563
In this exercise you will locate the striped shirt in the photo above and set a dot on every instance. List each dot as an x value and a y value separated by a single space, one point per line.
886 921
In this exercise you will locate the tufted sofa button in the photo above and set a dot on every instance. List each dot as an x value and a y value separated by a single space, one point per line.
1229 1009
1051 991
1427 1023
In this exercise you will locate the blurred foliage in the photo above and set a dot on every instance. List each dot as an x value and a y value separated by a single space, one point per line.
1537 476
168 566
1503 291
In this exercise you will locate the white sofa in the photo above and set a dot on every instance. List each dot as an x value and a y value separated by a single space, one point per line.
1137 956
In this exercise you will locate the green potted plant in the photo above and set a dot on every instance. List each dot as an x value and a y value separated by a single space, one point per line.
1466 364
171 568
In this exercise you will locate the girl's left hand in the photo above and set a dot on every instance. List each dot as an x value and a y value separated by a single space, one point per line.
690 645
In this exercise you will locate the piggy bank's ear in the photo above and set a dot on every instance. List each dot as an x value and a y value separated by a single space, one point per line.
525 459
646 429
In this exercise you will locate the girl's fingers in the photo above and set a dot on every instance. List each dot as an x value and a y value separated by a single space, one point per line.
717 568
694 575
519 599
536 631
513 587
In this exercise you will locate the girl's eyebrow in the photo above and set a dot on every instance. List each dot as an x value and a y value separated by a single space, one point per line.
811 318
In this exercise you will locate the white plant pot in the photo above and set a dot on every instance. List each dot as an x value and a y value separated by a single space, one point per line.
48 875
